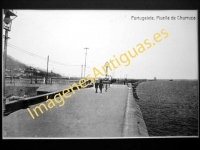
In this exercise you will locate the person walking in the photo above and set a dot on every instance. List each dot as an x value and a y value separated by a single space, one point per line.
106 87
100 86
44 80
96 85
110 79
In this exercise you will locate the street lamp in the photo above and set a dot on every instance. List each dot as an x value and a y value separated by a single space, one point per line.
85 60
9 16
106 70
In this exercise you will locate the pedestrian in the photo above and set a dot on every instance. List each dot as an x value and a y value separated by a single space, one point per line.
96 85
110 79
44 80
106 87
100 86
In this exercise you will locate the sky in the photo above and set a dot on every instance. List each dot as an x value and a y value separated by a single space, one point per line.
63 35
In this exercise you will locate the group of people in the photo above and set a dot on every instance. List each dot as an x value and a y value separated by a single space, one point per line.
99 84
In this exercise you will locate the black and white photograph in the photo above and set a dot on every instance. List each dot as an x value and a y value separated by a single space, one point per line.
98 74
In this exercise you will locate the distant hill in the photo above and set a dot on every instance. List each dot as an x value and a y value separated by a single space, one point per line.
13 63
18 68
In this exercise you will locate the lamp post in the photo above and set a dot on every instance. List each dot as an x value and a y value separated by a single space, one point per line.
47 69
10 77
85 60
9 16
51 75
81 71
106 70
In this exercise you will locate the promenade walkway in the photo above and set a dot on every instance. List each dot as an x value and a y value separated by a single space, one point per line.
85 114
